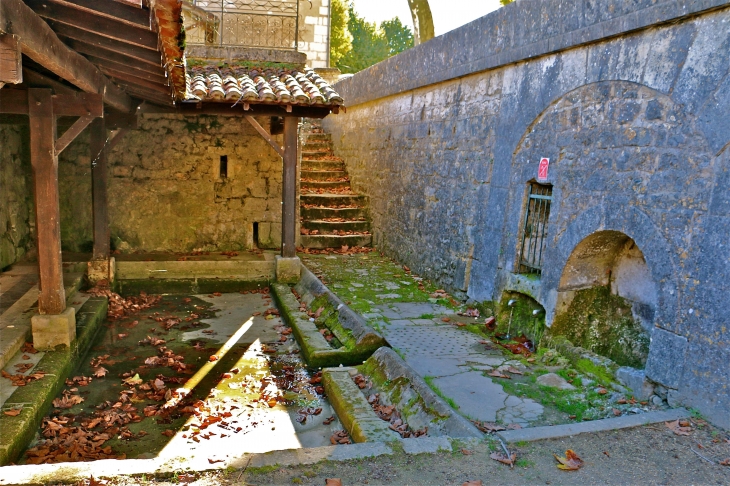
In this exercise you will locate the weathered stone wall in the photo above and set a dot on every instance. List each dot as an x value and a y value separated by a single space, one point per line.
629 101
17 218
166 192
314 32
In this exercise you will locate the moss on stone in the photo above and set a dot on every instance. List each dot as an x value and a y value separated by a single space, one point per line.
523 322
602 322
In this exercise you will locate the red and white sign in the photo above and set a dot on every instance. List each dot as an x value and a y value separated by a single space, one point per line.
542 169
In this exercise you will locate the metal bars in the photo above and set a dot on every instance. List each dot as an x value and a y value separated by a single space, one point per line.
534 232
249 23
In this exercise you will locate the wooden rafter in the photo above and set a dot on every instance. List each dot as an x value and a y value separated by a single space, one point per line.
89 43
33 79
70 135
11 70
127 80
77 104
86 20
40 43
112 10
149 73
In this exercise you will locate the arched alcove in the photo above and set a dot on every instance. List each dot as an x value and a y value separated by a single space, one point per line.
607 298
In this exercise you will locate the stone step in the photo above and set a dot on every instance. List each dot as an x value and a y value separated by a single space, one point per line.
324 212
317 136
335 241
317 145
329 227
315 152
314 164
322 175
316 185
334 200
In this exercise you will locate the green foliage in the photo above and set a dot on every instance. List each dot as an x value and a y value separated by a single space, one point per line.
399 36
370 43
340 37
505 2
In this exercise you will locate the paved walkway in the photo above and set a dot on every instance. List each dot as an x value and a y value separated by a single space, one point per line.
453 361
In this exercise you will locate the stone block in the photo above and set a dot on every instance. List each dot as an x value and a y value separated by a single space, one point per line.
288 270
50 330
103 269
666 358
636 381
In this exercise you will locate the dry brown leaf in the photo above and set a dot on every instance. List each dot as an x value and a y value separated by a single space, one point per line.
100 372
332 482
213 461
677 428
514 371
467 452
726 462
498 456
497 374
13 412
571 461
616 411
601 391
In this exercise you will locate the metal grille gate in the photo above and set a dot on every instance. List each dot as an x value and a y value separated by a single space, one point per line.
250 23
534 232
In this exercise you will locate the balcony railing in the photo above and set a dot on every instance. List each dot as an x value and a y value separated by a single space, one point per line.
250 23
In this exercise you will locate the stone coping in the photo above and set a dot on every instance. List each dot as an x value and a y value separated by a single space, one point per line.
34 399
517 32
359 340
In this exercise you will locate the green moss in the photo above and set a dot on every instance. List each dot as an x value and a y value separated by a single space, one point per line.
523 321
601 374
602 322
437 391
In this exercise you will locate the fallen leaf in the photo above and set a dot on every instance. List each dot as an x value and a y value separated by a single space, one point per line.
514 370
168 433
213 358
13 412
571 461
616 411
497 374
498 456
601 391
134 380
607 454
333 481
467 452
677 428
726 462
445 319
213 461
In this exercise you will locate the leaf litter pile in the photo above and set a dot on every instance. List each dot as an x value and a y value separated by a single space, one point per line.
127 399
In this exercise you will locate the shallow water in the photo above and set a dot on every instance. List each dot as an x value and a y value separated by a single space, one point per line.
206 376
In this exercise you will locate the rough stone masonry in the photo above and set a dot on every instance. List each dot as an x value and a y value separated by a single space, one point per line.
630 102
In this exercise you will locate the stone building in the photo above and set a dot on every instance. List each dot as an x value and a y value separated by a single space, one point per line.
626 219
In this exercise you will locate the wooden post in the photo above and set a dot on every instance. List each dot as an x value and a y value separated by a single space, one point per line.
99 175
289 188
52 298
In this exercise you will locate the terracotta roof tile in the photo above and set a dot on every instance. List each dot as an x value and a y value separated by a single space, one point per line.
270 86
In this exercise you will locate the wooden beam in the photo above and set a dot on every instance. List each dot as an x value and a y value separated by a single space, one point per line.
73 131
114 120
40 43
126 80
113 10
264 134
115 139
289 189
16 101
226 109
33 79
93 53
52 297
155 75
150 97
11 61
99 175
90 43
88 21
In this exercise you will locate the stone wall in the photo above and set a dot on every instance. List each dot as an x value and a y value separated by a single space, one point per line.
166 192
629 101
17 218
314 32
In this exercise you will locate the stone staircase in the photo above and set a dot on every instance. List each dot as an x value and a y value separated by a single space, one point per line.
332 215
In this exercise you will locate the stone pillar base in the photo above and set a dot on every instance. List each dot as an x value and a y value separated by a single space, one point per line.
99 271
288 270
50 330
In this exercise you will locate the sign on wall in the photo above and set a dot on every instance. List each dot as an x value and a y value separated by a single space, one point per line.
542 169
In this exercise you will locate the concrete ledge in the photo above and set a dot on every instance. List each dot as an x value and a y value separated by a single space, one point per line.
288 270
353 409
51 330
35 398
419 405
627 421
187 285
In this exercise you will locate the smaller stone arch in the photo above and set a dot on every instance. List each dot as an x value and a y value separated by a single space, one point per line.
607 298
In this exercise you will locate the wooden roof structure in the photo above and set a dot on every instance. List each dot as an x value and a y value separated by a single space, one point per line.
103 62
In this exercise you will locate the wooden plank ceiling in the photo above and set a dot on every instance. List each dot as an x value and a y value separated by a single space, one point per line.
120 38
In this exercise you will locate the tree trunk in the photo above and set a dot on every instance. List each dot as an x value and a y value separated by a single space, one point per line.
422 21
